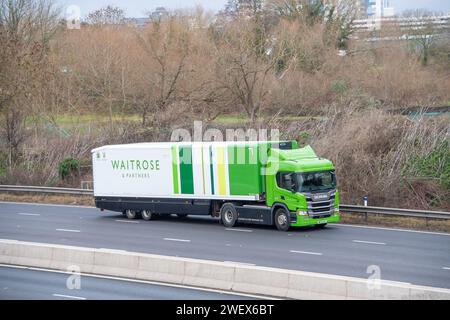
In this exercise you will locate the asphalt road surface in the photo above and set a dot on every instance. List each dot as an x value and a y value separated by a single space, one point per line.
421 258
26 284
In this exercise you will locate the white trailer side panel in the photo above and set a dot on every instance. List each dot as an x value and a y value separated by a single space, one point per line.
132 172
158 170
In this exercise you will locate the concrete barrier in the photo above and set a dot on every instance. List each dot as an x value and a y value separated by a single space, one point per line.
115 263
260 280
65 257
160 268
307 285
208 274
26 254
358 289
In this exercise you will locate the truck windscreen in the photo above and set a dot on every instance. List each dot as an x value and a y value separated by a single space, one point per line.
315 181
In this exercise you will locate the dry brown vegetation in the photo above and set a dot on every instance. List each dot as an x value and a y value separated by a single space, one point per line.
270 69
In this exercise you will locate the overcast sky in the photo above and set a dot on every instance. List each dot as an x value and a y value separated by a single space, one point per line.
137 8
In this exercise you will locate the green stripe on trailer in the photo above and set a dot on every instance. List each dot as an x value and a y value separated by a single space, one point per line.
211 169
243 169
187 178
175 170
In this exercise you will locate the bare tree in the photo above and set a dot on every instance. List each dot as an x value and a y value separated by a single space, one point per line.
422 30
244 66
26 26
166 47
108 15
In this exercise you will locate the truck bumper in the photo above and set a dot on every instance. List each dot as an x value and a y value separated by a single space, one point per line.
306 220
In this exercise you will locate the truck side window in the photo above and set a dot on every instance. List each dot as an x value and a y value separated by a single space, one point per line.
285 180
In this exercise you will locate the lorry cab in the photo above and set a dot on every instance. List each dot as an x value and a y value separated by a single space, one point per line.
299 182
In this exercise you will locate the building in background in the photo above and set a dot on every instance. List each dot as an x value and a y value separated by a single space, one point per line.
378 9
159 13
365 9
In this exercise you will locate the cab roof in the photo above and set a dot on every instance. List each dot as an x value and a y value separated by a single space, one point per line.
300 160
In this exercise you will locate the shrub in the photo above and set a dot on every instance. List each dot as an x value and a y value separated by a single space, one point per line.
68 167
339 86
436 164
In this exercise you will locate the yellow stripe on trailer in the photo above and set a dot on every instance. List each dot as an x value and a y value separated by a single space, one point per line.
221 170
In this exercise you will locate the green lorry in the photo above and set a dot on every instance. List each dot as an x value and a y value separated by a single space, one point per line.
269 183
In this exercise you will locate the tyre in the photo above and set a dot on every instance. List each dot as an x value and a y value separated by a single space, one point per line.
228 215
131 214
182 215
282 219
147 215
321 225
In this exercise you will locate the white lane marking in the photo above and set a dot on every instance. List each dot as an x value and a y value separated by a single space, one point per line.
240 230
16 267
165 284
127 221
179 240
48 204
243 263
28 214
369 242
307 252
389 229
68 230
446 268
69 297
112 250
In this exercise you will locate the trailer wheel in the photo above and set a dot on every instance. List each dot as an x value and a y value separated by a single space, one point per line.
131 214
147 215
228 215
282 219
182 215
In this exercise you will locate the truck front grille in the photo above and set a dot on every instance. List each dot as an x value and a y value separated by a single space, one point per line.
320 208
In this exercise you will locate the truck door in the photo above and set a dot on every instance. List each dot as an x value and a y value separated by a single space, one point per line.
285 189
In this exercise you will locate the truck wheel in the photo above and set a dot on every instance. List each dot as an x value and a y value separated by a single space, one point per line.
147 215
228 215
131 214
282 219
182 215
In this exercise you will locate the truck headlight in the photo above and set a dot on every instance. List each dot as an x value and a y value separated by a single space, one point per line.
302 213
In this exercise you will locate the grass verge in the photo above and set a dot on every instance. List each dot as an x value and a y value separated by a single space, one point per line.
49 199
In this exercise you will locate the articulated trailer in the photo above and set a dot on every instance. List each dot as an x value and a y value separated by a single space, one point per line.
269 183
